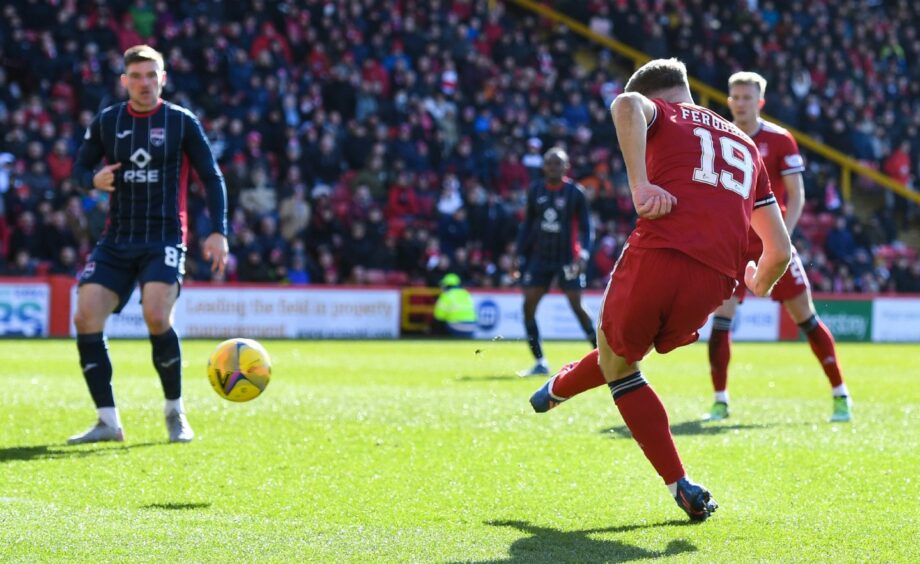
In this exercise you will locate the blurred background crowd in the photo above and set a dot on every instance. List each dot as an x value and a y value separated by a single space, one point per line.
378 142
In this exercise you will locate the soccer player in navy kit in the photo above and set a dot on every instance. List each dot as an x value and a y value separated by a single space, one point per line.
149 145
554 242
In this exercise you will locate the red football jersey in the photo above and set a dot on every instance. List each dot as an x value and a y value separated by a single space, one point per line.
780 154
718 178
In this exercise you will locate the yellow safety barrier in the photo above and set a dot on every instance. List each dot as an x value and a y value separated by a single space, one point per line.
708 95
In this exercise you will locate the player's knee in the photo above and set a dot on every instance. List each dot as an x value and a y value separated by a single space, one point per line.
157 320
80 321
799 310
727 309
86 321
606 361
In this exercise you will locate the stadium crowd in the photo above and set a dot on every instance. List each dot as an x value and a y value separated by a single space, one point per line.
373 142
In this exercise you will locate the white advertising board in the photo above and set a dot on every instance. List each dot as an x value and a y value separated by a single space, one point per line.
896 320
215 312
757 319
24 309
500 315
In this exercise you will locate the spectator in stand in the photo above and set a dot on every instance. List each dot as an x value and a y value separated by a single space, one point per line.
840 243
65 263
26 237
395 97
22 264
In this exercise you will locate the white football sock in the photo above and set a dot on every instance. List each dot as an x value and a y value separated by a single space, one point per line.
840 390
672 487
722 396
109 416
174 405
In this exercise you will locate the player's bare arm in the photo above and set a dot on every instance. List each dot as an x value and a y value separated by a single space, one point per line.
632 112
105 179
777 250
795 199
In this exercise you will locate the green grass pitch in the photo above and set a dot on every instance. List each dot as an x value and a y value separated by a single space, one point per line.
428 452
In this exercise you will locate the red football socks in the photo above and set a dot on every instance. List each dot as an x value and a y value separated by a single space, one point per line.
822 344
648 421
577 377
720 352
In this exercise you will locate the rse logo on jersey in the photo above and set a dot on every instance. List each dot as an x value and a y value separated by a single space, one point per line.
550 223
142 176
142 158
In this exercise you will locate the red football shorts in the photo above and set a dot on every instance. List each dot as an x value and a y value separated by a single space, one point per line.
792 283
659 297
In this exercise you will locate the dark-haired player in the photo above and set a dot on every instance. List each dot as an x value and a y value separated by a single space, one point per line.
149 147
553 244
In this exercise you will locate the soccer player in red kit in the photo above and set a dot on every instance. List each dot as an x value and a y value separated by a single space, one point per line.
698 185
784 164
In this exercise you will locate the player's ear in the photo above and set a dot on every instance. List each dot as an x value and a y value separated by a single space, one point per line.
163 79
761 103
124 81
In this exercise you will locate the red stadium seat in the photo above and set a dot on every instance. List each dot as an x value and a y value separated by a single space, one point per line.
397 278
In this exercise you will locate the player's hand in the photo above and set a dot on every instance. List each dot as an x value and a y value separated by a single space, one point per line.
216 250
750 280
652 201
105 179
575 269
517 265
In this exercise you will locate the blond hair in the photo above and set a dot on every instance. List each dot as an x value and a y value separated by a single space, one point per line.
748 78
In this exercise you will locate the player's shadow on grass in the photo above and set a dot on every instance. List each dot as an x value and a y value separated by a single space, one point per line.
544 544
171 506
54 452
690 428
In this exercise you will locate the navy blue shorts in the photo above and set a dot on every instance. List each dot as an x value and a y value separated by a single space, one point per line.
119 267
541 275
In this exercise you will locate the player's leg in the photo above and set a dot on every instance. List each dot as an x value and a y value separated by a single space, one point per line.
159 299
794 291
573 295
160 279
94 305
534 291
575 377
720 351
647 419
642 411
571 380
641 309
106 283
802 311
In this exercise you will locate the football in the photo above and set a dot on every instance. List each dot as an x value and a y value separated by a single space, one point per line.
239 369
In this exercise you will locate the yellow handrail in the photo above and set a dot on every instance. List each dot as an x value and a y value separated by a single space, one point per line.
708 94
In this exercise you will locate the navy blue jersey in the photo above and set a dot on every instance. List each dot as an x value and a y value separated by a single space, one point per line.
155 150
557 225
